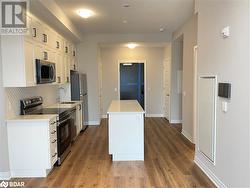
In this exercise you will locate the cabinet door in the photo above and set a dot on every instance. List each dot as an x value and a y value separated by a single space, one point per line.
52 39
38 51
44 38
59 68
29 63
52 56
67 68
72 63
36 30
58 43
79 118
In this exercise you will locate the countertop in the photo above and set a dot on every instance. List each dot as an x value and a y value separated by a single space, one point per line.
125 106
43 117
59 105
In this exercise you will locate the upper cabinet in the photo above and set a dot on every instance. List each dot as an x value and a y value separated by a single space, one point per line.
20 52
18 61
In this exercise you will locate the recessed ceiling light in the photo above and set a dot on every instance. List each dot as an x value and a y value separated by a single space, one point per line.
162 29
132 45
126 5
85 13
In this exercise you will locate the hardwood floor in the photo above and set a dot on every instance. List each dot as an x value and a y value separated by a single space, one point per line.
168 162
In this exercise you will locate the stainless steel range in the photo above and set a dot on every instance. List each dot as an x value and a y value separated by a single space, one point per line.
65 122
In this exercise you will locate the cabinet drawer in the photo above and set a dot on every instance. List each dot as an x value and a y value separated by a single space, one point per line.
53 152
53 158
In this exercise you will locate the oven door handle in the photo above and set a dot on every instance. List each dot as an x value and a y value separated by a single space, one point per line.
63 121
52 72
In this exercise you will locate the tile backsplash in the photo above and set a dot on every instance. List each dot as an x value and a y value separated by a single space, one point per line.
50 94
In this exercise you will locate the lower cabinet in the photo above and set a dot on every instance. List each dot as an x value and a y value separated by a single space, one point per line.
79 118
32 146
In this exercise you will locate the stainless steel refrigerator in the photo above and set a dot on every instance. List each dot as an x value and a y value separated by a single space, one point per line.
79 92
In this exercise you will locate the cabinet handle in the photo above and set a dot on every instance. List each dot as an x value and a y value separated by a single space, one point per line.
57 45
54 155
67 79
74 67
66 49
45 38
45 55
59 79
53 132
74 53
54 141
34 32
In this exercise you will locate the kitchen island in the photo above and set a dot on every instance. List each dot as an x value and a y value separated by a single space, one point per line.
126 130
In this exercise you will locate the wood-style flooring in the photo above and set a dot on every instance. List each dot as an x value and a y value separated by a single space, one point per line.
168 162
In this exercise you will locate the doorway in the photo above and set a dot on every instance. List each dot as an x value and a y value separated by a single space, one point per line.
166 87
132 82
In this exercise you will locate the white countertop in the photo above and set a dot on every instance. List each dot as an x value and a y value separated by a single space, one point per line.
42 117
59 105
125 106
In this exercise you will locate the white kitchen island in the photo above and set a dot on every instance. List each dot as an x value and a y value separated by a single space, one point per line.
126 130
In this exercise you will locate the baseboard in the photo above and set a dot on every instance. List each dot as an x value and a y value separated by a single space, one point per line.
41 173
187 135
218 183
93 123
5 176
175 121
154 115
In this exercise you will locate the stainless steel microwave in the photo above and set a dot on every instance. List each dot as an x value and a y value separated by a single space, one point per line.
45 71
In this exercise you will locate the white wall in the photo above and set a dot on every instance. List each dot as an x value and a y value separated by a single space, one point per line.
189 32
14 95
87 54
229 59
176 81
4 157
154 75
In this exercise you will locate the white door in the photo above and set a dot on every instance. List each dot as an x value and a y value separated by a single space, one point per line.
166 88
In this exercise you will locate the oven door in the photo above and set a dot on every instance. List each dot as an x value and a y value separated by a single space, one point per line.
63 136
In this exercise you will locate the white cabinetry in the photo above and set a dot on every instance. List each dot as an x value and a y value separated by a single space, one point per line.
126 130
19 54
79 118
17 61
32 146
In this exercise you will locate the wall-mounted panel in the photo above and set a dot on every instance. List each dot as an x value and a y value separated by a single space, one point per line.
207 116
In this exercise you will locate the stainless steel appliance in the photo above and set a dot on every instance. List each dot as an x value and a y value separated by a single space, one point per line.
45 72
79 93
65 123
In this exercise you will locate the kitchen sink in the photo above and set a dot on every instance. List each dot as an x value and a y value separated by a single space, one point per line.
68 102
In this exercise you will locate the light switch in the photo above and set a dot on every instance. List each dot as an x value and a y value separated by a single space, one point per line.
115 89
225 32
224 106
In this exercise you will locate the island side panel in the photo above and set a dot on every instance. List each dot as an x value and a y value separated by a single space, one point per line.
126 136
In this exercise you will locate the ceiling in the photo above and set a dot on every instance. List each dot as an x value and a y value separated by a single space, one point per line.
143 16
